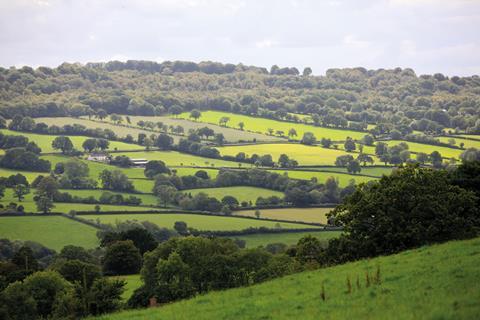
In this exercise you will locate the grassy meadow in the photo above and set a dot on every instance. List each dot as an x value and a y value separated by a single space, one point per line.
197 221
467 142
240 193
52 232
432 282
230 134
314 215
288 238
305 155
260 125
343 178
44 141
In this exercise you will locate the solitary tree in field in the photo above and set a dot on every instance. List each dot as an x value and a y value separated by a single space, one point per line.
270 131
101 114
195 114
116 118
292 133
257 214
349 145
165 194
241 125
308 138
89 145
20 191
223 121
175 110
44 204
62 143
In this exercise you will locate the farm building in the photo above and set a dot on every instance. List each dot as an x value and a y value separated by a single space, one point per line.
139 163
98 157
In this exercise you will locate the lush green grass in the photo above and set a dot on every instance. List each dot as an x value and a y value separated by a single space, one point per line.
315 215
343 178
120 130
436 282
173 158
133 282
261 125
446 152
305 155
200 222
45 141
30 206
467 143
231 135
240 193
185 171
52 232
288 238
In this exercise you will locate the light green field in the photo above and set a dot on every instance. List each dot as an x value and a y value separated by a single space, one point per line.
315 215
240 193
173 158
132 282
343 178
288 238
435 282
147 199
52 232
185 171
120 130
231 135
45 141
200 222
471 136
62 207
305 155
427 148
369 170
261 125
467 143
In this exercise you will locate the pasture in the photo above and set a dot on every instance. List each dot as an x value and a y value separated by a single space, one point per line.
288 238
305 155
240 193
467 142
313 215
230 134
44 141
174 158
197 221
261 125
343 179
446 152
53 232
432 282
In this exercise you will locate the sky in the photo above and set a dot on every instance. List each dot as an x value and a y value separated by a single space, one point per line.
427 35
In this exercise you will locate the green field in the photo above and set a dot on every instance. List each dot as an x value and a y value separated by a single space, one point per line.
174 158
315 215
45 141
121 131
471 136
343 178
467 143
186 171
369 170
200 222
132 282
240 193
231 135
436 282
446 152
288 238
30 206
52 232
261 125
305 155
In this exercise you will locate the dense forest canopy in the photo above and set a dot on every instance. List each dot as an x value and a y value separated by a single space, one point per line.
398 98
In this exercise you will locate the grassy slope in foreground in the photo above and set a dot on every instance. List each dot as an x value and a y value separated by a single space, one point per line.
52 232
436 282
262 124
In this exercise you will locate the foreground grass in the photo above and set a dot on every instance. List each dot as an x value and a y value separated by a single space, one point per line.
261 125
200 222
52 232
315 215
436 282
288 238
240 193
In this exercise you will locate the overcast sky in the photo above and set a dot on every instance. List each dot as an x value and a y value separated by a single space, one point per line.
427 35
